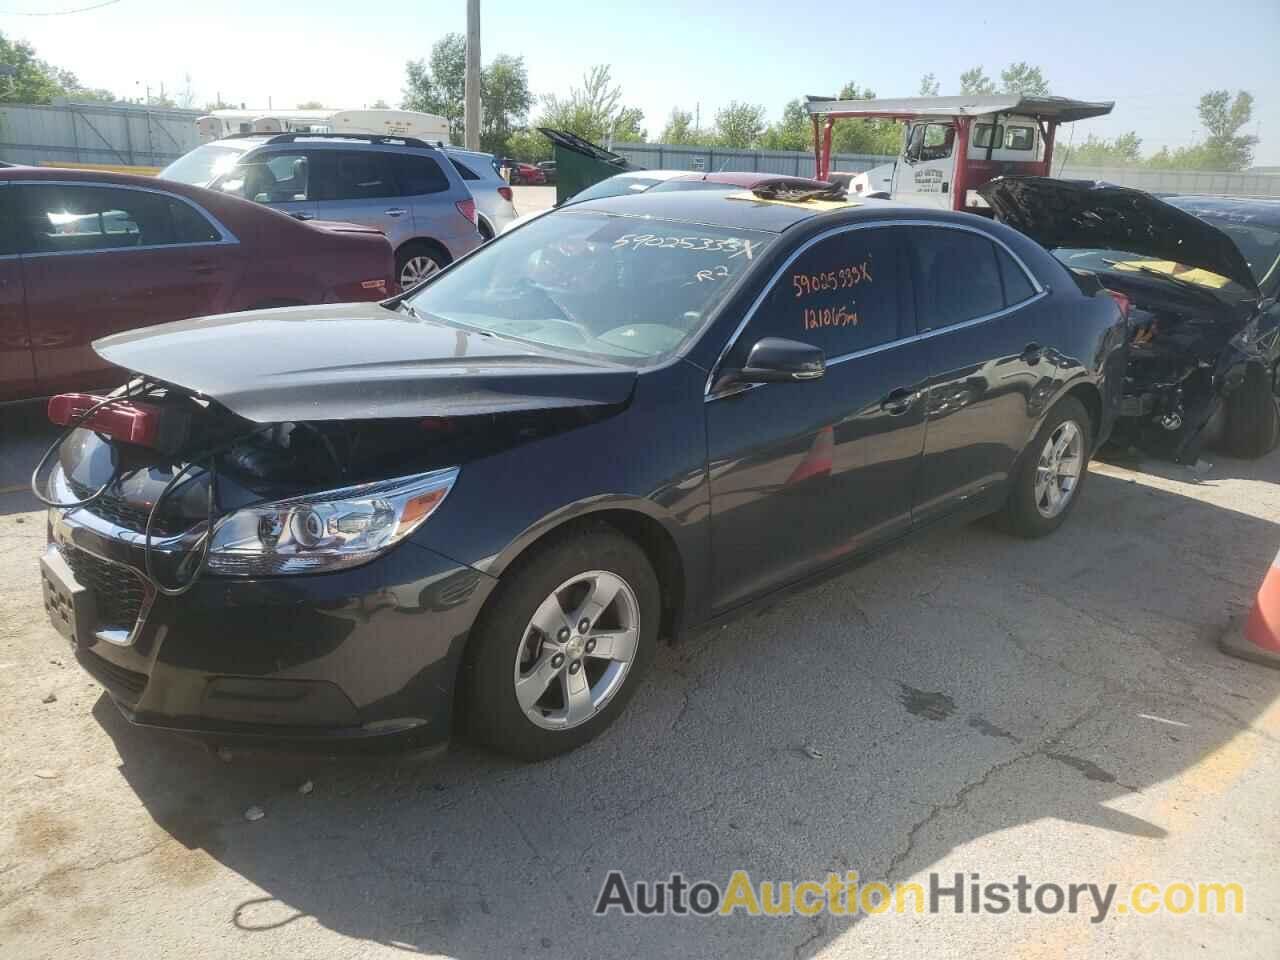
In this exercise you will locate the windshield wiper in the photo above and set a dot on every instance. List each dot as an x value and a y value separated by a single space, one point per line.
407 307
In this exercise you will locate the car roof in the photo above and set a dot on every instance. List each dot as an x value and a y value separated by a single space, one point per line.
745 178
725 209
95 176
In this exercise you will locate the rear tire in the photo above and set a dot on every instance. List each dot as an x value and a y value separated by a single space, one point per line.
506 706
1252 419
418 260
1033 508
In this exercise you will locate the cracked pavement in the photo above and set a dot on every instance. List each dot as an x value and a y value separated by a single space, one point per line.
969 703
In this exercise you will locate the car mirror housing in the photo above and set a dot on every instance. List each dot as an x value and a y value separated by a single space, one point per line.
777 360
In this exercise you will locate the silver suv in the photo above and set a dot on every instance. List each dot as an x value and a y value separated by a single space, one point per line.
405 187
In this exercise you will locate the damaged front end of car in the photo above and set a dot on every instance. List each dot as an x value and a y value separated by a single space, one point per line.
1190 302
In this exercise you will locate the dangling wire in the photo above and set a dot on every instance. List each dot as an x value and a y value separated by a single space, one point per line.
202 544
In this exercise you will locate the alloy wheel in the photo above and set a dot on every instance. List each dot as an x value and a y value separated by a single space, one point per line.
1058 470
416 269
576 650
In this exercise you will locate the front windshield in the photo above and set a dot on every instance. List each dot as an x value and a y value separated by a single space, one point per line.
1259 243
202 165
629 290
616 187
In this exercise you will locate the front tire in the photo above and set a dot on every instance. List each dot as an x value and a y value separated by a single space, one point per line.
562 644
1252 418
1050 472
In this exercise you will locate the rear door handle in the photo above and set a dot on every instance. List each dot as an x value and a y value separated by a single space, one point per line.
396 212
1032 353
203 267
898 401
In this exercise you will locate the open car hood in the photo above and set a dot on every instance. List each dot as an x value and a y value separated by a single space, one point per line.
359 361
1094 216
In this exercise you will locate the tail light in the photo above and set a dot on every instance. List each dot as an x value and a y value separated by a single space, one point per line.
506 194
468 209
1123 302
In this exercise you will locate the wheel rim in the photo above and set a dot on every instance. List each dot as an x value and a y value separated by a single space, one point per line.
577 650
416 269
1058 470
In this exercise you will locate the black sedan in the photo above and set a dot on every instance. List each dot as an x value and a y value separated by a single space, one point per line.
482 503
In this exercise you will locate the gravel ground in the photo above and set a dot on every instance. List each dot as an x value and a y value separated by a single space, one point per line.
969 703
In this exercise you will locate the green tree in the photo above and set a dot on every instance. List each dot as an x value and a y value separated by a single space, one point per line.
1024 79
31 80
436 85
974 82
793 132
1124 151
1225 148
528 145
864 136
505 101
929 85
739 125
594 110
679 128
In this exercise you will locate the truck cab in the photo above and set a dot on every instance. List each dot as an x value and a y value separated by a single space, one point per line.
952 145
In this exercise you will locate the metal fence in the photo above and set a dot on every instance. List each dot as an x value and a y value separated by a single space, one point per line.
664 156
118 134
660 156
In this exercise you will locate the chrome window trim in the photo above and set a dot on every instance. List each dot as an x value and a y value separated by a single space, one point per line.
226 237
1041 290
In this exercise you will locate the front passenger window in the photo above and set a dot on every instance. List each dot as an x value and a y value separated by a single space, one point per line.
844 294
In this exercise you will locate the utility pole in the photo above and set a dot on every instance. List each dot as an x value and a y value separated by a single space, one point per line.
471 93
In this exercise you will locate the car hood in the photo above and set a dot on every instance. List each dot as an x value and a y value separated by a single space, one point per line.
359 361
1092 215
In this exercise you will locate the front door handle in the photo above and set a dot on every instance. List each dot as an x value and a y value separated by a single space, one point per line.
1032 353
898 401
203 267
396 212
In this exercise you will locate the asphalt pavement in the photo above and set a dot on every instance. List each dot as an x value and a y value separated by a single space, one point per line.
970 703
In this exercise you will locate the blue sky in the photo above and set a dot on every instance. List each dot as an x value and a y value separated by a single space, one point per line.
1153 58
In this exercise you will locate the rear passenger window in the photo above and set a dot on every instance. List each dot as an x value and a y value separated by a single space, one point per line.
190 226
362 176
957 277
1017 287
464 171
418 175
844 294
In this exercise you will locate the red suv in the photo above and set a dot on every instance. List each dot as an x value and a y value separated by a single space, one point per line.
84 254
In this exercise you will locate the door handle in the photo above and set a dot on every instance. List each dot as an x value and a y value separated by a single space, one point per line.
301 216
1032 353
898 401
396 212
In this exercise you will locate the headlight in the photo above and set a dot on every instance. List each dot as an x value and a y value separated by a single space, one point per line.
322 532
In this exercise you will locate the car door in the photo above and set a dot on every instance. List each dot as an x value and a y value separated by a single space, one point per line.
988 374
17 370
924 177
804 473
426 190
103 258
359 186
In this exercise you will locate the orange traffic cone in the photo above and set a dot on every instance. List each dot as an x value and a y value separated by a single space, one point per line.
1259 638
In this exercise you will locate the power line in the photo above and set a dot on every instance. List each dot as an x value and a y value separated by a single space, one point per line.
58 13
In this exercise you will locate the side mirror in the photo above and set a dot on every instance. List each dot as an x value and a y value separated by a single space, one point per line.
775 360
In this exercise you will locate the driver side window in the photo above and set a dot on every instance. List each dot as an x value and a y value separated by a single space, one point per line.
844 294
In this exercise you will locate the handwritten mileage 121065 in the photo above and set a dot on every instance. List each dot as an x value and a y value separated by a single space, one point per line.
829 317
842 278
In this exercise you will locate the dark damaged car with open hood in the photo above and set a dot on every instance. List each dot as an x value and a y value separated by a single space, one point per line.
479 505
1197 279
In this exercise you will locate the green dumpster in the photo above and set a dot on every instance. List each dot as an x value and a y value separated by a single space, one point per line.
580 163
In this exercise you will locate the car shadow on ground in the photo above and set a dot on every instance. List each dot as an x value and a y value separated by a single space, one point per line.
965 685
